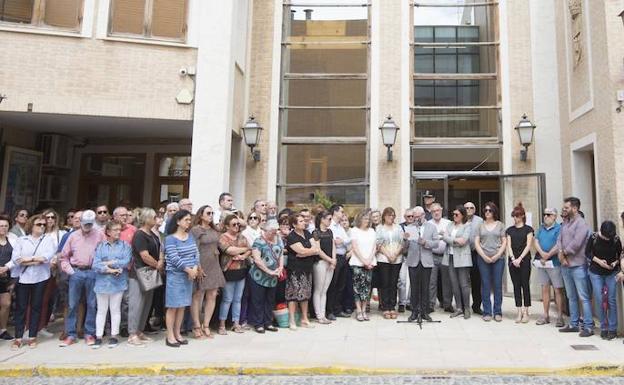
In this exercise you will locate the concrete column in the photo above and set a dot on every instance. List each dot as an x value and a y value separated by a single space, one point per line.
545 72
212 131
386 178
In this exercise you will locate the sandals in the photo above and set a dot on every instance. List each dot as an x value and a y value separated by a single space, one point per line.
387 315
543 321
221 331
359 317
17 343
237 329
32 343
198 334
207 332
307 325
365 315
393 314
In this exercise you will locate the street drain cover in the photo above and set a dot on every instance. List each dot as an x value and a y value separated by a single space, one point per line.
584 347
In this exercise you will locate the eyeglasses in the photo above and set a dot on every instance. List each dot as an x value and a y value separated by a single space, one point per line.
254 217
102 212
456 214
409 216
40 224
50 216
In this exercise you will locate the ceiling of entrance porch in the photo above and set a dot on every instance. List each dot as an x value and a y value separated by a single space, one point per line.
84 126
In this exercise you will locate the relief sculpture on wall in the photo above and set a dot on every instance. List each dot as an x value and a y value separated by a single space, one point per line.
576 12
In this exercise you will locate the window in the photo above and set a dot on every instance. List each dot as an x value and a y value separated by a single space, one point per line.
111 179
157 19
456 88
61 14
324 104
171 182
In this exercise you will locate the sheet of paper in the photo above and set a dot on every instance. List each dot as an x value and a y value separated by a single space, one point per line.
548 265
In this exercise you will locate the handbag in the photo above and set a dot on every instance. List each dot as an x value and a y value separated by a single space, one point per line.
149 278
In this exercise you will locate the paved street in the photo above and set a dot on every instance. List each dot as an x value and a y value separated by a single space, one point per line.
317 380
458 346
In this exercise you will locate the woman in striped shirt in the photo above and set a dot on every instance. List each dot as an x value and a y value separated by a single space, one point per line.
182 261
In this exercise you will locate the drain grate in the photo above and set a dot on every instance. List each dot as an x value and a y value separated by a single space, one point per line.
584 347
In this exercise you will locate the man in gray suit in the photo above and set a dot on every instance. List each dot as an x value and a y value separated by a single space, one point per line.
423 238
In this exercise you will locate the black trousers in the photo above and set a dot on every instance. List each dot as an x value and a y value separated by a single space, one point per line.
26 293
419 288
388 281
520 277
262 303
475 282
337 286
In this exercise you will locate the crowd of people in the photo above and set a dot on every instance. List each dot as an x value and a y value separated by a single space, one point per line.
132 272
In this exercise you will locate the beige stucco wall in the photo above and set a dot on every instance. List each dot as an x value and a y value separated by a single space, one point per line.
389 102
74 75
599 120
260 84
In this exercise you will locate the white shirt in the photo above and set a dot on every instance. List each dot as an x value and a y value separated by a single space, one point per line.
251 235
392 238
26 247
366 243
339 232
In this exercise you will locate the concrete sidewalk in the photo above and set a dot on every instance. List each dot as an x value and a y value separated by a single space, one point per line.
346 347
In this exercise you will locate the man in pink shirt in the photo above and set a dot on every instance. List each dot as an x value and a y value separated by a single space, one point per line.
127 230
76 259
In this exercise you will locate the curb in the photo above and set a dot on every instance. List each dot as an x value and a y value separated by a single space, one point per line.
596 370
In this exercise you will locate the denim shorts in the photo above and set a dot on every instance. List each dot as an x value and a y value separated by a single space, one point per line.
179 290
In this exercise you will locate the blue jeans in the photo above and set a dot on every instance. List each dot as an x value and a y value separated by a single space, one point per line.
232 294
607 322
577 287
491 280
82 281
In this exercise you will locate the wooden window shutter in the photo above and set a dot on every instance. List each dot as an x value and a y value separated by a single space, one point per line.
63 13
169 18
128 16
16 11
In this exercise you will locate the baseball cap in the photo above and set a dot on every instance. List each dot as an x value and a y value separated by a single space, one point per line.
550 210
87 218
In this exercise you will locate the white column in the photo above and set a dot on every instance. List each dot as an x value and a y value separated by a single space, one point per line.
373 135
546 99
212 131
406 85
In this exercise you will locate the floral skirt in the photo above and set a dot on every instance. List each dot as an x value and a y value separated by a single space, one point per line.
298 286
362 279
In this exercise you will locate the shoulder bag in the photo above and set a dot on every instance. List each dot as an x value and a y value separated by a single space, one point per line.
148 277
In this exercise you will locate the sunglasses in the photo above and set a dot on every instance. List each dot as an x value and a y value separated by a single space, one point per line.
208 213
488 210
102 212
456 214
22 215
234 224
548 214
254 217
40 224
50 216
